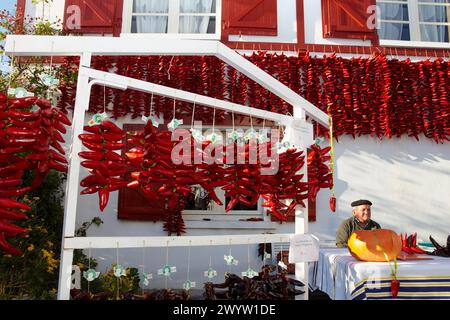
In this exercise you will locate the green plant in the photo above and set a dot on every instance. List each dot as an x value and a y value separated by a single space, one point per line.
118 286
35 275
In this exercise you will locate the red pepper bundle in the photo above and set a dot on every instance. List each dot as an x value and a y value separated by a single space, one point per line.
366 92
11 210
426 105
105 165
31 133
443 111
53 122
385 113
243 180
409 244
319 175
285 184
376 83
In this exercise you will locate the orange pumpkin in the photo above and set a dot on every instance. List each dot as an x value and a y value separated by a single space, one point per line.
371 245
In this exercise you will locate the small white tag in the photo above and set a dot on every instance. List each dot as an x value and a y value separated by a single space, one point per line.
303 248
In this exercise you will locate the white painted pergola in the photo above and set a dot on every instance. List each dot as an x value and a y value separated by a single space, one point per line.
86 47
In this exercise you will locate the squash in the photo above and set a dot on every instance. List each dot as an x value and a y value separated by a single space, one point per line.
372 245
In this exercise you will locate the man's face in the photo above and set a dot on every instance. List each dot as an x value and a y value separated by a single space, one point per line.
362 213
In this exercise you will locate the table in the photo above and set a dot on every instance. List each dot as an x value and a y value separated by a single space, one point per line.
343 277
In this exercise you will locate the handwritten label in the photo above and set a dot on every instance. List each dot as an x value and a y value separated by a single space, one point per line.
303 248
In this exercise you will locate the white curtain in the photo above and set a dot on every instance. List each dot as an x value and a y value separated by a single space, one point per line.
150 24
392 31
433 14
195 24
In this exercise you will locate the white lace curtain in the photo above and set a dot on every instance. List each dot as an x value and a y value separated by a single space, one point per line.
159 23
431 13
427 13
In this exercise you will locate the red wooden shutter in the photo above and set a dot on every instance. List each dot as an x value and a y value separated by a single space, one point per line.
96 16
251 17
20 16
347 19
133 205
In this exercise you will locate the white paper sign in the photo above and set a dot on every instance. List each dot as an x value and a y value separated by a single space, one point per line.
303 248
300 133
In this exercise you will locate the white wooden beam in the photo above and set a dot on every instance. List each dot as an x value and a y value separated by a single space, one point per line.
159 242
243 65
301 227
114 80
73 177
25 45
21 45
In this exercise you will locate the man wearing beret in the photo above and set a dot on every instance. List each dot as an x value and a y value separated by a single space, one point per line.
360 221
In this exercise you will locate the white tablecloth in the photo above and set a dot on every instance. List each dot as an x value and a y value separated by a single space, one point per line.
343 277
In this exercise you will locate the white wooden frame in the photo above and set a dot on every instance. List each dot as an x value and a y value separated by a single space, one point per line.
173 21
85 47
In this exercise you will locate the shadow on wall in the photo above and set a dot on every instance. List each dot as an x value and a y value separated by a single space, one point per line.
407 181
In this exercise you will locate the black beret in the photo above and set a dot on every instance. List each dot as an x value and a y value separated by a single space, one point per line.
360 203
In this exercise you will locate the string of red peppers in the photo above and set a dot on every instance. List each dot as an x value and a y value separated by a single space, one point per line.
371 96
149 160
30 139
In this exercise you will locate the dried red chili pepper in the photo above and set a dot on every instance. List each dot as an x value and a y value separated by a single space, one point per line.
395 286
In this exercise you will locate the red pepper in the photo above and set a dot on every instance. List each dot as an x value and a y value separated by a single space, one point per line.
111 136
333 204
90 190
13 131
5 183
57 166
14 167
111 127
21 141
57 157
395 285
91 155
23 114
12 215
103 197
94 138
10 150
14 193
43 104
7 247
231 204
61 117
9 203
58 147
10 228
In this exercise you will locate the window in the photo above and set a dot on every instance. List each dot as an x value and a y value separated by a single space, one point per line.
200 18
414 20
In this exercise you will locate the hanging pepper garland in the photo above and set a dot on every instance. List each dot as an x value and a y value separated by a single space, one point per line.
374 95
30 139
149 160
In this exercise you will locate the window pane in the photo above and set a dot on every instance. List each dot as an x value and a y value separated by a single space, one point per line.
198 199
241 207
394 31
150 24
393 11
433 13
150 6
196 24
198 6
435 1
434 33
